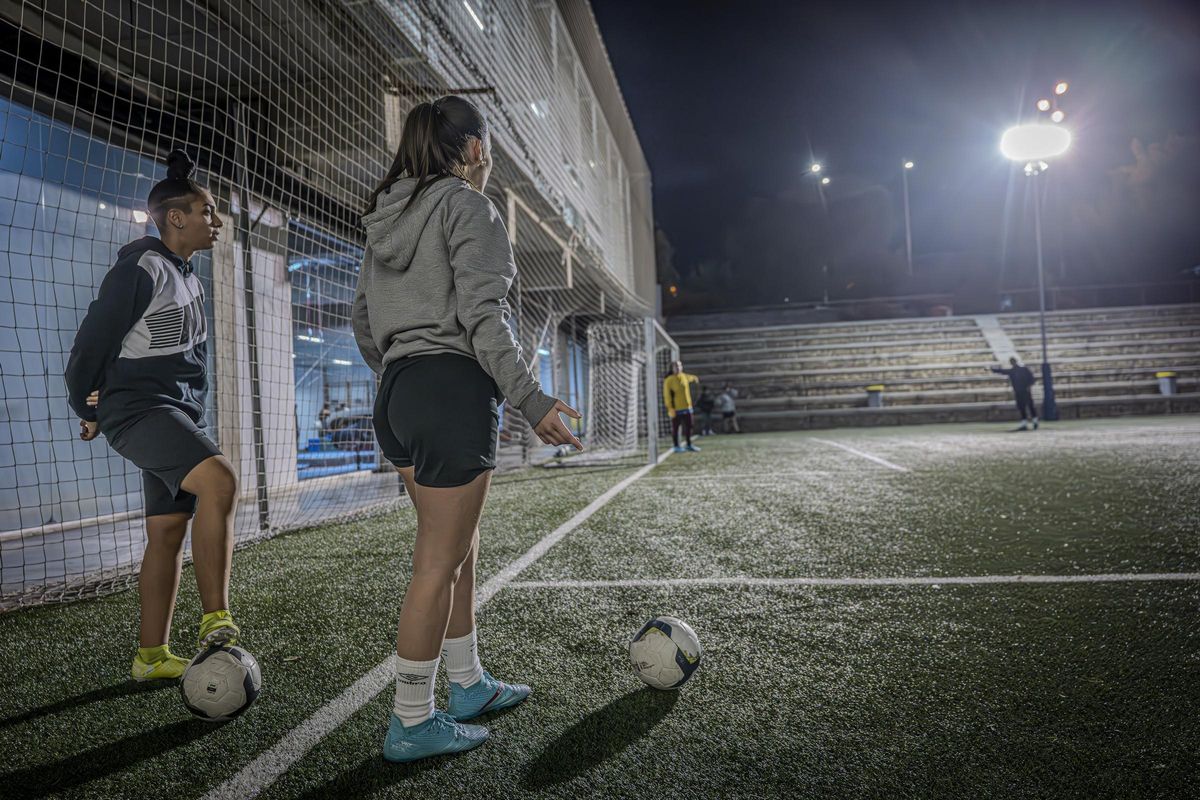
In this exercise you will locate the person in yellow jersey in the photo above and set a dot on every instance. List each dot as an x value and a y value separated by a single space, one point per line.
677 395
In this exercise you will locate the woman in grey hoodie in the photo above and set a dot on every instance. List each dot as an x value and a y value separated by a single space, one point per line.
431 317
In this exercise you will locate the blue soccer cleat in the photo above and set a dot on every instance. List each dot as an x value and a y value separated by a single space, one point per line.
678 449
691 448
436 736
486 694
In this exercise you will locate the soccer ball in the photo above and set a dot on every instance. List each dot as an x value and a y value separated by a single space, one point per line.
665 652
220 683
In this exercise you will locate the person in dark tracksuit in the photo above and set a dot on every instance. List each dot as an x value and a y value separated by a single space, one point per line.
705 405
1022 380
137 374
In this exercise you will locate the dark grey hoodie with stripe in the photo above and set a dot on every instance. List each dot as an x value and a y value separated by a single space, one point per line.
435 279
144 341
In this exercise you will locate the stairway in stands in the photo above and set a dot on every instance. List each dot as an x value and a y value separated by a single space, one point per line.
937 369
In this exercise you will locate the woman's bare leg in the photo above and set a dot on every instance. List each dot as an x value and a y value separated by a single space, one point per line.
158 581
447 520
215 485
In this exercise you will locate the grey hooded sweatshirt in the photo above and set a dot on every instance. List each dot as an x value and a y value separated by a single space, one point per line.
435 279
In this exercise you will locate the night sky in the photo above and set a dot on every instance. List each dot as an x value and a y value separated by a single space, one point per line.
733 100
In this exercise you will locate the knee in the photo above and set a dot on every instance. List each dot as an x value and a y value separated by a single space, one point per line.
166 531
220 483
438 573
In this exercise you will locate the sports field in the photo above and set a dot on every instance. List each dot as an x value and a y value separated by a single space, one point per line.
937 611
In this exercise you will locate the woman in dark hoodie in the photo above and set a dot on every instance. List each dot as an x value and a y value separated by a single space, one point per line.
137 374
431 316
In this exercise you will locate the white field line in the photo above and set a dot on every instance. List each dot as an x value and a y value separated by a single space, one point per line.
867 456
721 476
948 580
270 764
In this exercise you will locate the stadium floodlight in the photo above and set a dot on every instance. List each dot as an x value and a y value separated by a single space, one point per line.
815 168
1043 105
825 181
909 165
1061 88
140 217
1034 142
1058 116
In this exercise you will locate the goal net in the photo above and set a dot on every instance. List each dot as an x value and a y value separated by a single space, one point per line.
627 360
293 111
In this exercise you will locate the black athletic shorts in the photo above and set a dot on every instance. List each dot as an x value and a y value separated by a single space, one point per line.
439 414
166 445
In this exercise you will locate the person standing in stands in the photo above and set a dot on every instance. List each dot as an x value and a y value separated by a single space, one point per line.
677 396
706 404
727 405
1022 381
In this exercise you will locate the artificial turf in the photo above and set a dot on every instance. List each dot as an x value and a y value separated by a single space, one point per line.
1052 690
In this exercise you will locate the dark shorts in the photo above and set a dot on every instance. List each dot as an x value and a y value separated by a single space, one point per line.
439 414
166 445
728 414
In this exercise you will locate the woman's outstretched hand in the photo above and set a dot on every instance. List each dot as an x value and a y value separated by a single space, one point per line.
552 430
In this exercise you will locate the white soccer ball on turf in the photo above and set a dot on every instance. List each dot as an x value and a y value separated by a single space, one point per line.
665 652
220 683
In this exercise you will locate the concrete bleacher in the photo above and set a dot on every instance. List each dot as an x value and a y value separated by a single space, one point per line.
938 369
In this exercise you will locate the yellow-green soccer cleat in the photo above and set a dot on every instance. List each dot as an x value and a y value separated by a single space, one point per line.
169 668
218 628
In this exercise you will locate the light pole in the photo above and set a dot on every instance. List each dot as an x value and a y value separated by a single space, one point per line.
907 218
823 180
1034 144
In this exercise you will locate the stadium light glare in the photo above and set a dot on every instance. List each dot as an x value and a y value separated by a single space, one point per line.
1043 105
1034 142
815 168
909 165
140 217
1061 88
825 181
1058 116
474 16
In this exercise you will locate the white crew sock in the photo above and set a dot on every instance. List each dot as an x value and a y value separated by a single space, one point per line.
414 690
462 660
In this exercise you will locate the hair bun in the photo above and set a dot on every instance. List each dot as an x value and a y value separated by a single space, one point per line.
179 165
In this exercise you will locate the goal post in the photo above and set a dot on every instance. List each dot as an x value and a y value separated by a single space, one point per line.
627 360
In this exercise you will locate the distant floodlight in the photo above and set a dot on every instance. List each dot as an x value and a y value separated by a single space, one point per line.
140 217
1034 142
1058 116
1061 88
909 165
815 168
825 181
1043 105
102 206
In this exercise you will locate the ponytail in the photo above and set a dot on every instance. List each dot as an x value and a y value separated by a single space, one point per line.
432 145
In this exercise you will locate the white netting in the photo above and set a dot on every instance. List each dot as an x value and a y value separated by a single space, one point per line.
621 395
293 111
